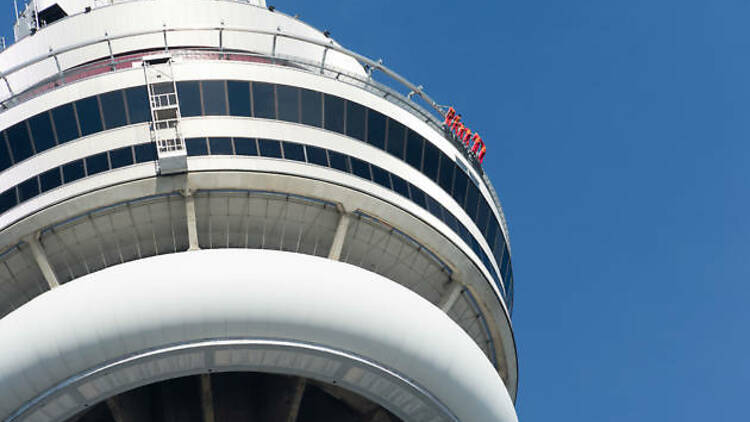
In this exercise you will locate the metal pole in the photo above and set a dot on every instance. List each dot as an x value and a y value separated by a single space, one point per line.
16 6
36 15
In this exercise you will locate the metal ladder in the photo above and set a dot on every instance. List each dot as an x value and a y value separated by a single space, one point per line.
165 114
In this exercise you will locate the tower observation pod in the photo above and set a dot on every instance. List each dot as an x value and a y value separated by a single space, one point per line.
211 211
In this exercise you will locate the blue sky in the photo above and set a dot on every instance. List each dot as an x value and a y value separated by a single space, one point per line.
617 137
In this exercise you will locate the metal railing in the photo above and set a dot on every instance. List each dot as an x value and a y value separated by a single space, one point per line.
114 63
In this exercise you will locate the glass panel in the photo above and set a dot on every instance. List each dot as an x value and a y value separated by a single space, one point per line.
113 108
380 177
446 173
360 168
491 231
88 116
338 161
28 189
414 144
145 152
214 98
20 144
239 98
312 108
334 113
97 163
504 264
269 148
396 138
121 157
189 94
400 185
138 109
417 195
316 155
482 214
459 185
472 196
220 146
73 171
196 146
355 120
263 101
41 131
451 221
293 151
65 123
5 160
376 129
8 199
431 161
288 103
434 207
245 146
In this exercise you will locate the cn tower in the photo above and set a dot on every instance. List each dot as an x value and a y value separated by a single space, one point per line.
211 211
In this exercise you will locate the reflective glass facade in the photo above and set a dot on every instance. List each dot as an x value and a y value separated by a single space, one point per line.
270 101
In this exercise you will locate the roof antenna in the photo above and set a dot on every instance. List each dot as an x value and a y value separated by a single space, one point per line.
36 15
16 6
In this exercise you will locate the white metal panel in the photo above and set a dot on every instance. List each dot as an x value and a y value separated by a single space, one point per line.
258 294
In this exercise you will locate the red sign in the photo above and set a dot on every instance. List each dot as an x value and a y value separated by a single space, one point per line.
471 140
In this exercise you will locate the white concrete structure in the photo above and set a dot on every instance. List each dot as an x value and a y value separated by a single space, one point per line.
211 211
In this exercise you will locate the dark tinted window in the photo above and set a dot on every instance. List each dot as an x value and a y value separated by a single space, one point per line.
459 185
28 189
472 196
245 146
73 171
214 98
145 152
446 173
431 161
417 195
355 120
121 157
196 146
50 179
220 146
381 177
334 113
113 108
41 131
504 264
491 231
360 168
312 108
239 98
8 199
338 161
288 103
65 123
316 155
97 163
5 160
88 116
20 144
189 94
483 212
376 129
138 109
269 148
400 185
293 151
414 144
434 207
263 100
396 138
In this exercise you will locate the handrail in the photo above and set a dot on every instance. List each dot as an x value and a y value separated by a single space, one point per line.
403 100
